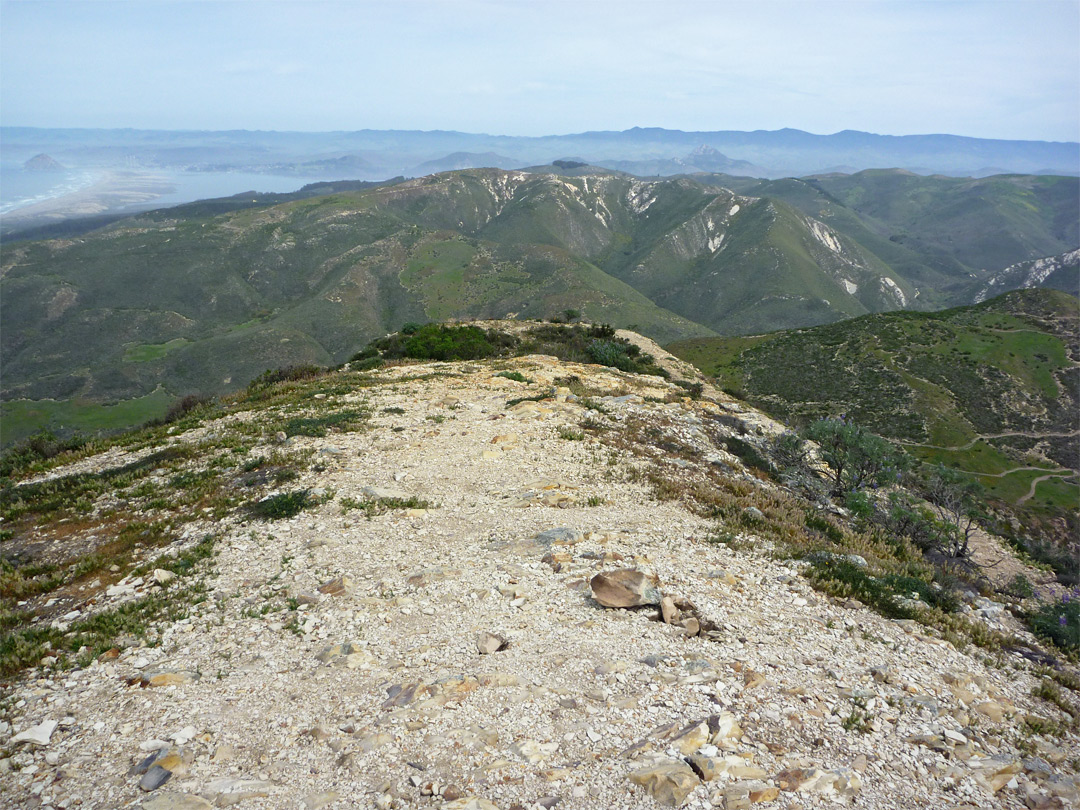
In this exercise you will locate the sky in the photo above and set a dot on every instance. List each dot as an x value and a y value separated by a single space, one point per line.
984 68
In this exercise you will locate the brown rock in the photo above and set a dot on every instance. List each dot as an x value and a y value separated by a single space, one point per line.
166 677
764 793
668 610
669 781
624 588
336 586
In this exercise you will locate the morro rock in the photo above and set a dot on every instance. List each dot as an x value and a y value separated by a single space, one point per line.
43 163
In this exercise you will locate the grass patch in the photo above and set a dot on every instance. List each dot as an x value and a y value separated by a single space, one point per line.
378 506
345 421
23 645
516 376
148 352
23 418
283 505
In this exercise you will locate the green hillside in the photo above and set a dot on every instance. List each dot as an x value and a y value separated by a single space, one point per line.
202 298
941 233
990 389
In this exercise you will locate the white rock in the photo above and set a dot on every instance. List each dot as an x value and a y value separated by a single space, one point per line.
35 735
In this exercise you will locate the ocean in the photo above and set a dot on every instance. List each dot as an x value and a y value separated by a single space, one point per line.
20 188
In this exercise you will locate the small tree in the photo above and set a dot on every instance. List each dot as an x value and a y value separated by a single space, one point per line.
956 499
857 459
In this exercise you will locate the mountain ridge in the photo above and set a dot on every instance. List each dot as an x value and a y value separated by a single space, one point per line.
246 284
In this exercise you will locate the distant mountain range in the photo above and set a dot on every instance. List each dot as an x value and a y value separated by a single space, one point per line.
380 154
203 297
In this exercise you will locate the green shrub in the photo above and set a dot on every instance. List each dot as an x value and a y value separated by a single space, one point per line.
857 458
748 454
42 446
1020 587
516 376
1059 621
438 342
283 505
184 406
287 374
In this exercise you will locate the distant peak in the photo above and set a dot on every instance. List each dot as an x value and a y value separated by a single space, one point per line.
43 163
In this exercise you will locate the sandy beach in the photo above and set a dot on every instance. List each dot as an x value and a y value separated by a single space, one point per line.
114 191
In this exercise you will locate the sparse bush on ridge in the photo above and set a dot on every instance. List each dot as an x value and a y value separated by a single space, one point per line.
436 342
856 457
42 446
287 374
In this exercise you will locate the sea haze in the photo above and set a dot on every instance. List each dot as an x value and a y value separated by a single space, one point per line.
20 188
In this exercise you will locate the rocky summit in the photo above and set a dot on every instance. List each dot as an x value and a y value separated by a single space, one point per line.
514 583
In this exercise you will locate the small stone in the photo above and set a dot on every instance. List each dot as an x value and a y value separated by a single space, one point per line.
337 586
167 677
534 752
691 627
488 643
692 738
625 587
725 729
155 777
162 577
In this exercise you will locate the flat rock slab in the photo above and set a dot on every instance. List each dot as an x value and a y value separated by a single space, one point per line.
176 801
36 735
625 588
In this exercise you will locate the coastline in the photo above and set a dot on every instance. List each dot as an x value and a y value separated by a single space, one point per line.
112 191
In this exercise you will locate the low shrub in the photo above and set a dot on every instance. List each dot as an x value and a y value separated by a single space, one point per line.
286 374
283 505
1059 621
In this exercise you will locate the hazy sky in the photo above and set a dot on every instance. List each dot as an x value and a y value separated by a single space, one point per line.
996 69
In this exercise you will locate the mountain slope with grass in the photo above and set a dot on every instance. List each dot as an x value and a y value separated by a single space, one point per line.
990 390
944 235
460 572
106 326
203 298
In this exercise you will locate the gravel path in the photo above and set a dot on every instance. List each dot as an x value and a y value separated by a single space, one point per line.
336 661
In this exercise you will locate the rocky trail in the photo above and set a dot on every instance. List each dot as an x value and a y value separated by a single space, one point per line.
452 648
